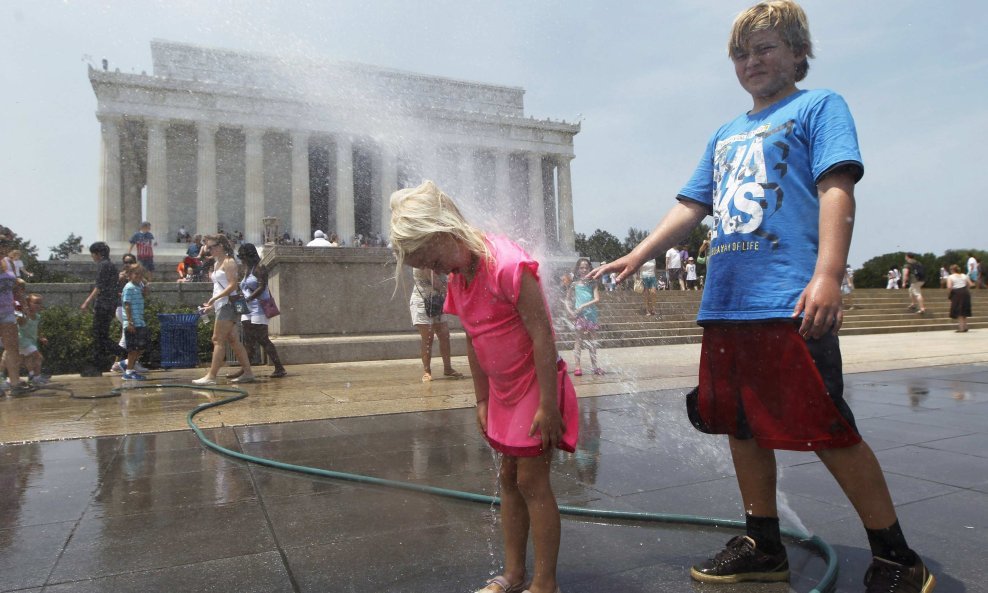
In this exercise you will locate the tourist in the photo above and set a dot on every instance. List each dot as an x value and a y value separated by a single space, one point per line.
892 283
10 293
135 329
426 307
914 276
517 374
104 297
674 268
650 286
770 368
144 241
229 306
959 285
120 363
972 268
943 276
581 303
15 259
691 278
318 240
847 289
254 287
30 341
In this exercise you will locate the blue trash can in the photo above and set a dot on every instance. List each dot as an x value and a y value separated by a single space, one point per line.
179 340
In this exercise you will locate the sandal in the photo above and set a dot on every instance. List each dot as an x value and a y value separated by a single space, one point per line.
500 584
234 374
453 375
578 373
426 377
598 371
278 373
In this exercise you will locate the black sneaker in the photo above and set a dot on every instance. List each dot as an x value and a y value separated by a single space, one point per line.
740 561
885 576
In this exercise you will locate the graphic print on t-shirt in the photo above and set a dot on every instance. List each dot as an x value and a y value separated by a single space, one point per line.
744 194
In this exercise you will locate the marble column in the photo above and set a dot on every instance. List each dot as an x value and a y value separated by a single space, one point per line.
206 205
549 203
345 224
467 174
502 182
389 183
109 225
567 239
254 193
301 208
536 198
157 180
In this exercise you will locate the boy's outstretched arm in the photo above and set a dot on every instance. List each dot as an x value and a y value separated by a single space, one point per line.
820 301
673 227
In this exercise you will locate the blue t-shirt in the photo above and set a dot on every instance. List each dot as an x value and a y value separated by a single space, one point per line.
133 294
758 176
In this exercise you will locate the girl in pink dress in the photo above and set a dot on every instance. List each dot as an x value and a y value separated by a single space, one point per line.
526 404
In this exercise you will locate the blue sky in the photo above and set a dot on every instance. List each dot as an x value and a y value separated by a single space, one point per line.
650 81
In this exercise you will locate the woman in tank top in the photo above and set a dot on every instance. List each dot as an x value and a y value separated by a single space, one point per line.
224 277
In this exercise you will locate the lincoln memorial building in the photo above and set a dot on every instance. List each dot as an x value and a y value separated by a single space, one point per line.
220 139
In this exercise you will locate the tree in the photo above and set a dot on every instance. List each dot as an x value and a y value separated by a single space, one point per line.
600 246
635 236
66 248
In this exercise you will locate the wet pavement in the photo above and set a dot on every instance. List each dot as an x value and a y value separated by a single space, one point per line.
158 512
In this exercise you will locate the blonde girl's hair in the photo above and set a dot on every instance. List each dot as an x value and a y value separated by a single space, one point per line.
222 240
784 16
419 213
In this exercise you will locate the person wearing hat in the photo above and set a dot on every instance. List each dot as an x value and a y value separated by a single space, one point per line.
691 283
319 240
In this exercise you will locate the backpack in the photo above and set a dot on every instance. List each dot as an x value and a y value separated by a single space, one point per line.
918 272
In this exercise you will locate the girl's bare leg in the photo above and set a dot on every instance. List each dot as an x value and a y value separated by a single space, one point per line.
543 512
592 347
514 521
239 351
577 349
425 347
442 332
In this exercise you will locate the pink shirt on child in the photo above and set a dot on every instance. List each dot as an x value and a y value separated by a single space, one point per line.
487 308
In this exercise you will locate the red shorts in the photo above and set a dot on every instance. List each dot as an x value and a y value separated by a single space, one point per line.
764 381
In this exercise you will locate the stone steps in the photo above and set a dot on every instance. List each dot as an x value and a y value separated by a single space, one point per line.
623 325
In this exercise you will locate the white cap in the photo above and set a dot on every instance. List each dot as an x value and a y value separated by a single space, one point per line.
319 235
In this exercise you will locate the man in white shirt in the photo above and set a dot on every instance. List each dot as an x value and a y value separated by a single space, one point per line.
319 240
674 268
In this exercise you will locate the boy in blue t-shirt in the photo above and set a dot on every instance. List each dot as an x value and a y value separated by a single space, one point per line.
136 332
779 181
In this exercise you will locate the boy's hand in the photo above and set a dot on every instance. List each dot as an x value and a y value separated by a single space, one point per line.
549 423
820 305
482 416
625 266
130 328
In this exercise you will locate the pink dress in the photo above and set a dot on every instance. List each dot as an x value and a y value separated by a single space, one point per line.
488 313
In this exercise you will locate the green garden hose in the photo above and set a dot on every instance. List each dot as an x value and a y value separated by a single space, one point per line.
815 542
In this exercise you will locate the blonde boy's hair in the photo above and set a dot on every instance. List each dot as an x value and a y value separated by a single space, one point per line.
136 269
784 16
419 213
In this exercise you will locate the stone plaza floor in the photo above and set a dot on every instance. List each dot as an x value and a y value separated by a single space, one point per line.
117 495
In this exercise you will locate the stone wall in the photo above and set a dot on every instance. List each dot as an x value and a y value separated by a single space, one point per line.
74 293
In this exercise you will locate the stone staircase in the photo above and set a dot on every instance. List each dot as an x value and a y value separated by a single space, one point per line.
624 324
